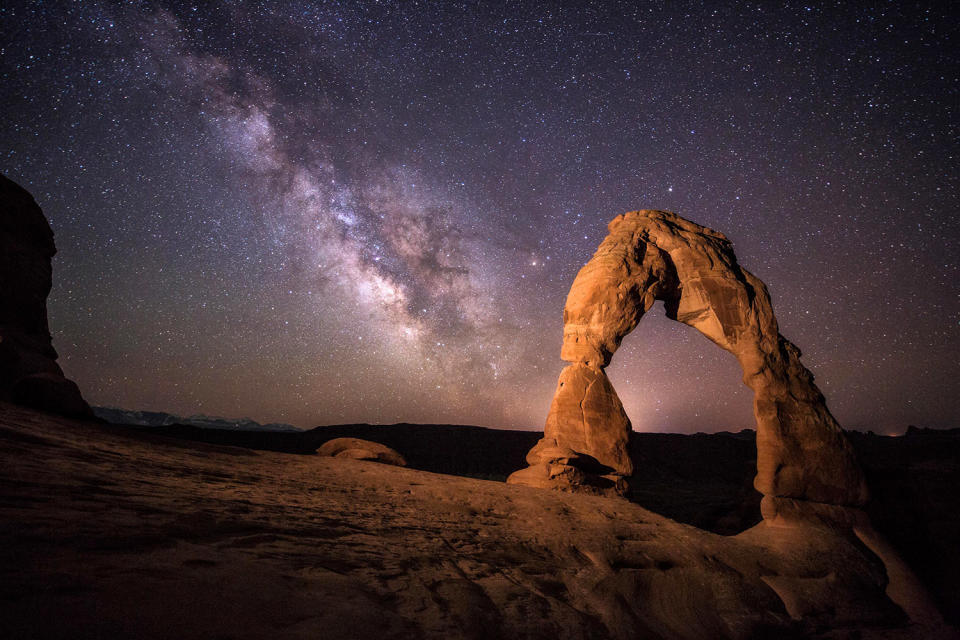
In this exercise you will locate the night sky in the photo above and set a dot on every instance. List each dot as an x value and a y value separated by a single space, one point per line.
334 212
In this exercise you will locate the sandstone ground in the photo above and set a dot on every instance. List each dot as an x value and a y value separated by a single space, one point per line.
108 532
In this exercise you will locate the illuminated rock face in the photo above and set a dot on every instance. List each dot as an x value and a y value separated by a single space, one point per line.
655 255
29 374
357 449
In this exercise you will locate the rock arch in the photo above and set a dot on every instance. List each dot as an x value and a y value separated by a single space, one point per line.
802 453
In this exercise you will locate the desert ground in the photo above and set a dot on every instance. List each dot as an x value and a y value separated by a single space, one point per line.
109 531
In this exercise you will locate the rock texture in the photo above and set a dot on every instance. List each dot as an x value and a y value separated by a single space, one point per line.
585 440
358 449
655 255
29 373
139 536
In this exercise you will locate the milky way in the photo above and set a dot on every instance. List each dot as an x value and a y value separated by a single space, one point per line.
336 212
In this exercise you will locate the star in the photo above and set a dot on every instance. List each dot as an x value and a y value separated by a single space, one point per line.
265 213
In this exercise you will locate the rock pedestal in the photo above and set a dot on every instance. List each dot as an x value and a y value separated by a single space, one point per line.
802 453
584 444
29 374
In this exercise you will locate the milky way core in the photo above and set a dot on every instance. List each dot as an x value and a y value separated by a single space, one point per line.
371 212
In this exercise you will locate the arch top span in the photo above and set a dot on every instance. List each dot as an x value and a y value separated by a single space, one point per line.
650 256
657 255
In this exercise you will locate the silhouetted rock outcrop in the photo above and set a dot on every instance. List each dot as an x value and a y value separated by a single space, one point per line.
29 374
802 453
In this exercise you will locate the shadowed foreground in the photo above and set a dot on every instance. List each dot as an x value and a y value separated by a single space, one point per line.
107 532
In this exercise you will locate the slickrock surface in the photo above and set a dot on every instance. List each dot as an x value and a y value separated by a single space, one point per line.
107 532
655 255
357 449
29 373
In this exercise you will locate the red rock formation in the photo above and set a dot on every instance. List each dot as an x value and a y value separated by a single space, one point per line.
357 449
655 255
29 373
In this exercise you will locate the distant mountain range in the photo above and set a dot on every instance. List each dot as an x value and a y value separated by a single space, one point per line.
114 415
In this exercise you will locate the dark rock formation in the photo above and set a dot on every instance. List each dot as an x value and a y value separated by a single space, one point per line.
655 255
358 449
29 374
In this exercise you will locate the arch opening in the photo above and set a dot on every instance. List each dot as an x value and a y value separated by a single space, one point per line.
693 440
671 379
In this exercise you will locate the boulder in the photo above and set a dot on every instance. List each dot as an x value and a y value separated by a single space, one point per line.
29 373
802 453
358 449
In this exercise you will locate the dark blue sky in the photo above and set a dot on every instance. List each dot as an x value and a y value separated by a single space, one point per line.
335 212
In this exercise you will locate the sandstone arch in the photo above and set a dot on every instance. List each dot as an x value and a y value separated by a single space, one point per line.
656 255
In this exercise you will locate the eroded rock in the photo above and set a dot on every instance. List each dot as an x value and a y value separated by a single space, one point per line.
655 255
584 444
29 374
358 449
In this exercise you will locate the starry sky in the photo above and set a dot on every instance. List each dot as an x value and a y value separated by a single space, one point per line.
330 212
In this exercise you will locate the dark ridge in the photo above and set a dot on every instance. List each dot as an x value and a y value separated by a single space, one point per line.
915 503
